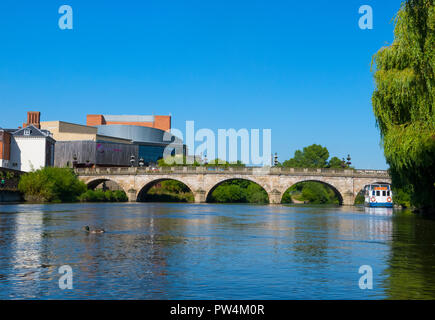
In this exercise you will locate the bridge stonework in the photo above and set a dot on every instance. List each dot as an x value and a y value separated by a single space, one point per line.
202 181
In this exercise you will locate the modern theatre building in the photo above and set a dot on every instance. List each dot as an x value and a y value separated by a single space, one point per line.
112 140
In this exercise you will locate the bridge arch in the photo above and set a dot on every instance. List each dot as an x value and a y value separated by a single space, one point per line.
93 183
146 186
328 184
210 190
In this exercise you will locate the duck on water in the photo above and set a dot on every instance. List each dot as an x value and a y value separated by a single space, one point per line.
87 229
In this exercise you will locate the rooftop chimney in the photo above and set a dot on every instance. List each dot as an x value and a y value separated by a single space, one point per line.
34 118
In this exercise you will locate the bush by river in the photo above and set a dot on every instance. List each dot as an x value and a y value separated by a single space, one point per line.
239 191
168 191
62 185
103 196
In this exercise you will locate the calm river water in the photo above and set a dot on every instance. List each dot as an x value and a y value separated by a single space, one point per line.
189 251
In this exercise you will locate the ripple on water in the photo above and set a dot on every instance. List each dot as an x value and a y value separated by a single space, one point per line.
188 251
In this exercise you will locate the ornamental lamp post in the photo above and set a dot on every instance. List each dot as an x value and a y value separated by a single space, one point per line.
343 163
132 160
275 159
141 162
348 160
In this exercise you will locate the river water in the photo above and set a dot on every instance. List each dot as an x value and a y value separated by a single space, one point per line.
205 251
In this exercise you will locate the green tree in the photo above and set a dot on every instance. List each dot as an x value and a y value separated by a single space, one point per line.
311 192
239 191
174 186
103 196
314 156
177 160
404 98
336 163
256 194
52 185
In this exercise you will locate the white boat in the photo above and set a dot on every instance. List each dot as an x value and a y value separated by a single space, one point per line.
378 195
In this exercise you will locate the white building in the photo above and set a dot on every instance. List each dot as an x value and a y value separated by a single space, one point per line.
31 149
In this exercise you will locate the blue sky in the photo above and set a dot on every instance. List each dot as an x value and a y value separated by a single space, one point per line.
300 68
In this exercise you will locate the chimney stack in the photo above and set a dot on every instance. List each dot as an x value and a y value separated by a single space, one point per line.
34 118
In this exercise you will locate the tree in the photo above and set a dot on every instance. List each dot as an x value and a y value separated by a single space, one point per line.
314 156
52 185
336 163
239 191
404 101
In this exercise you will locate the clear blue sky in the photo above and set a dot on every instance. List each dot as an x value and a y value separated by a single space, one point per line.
300 68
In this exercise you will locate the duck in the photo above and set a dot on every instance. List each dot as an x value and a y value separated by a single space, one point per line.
87 229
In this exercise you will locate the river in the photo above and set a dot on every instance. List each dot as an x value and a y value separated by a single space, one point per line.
206 251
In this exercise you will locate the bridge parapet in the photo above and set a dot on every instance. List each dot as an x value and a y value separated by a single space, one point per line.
234 170
202 180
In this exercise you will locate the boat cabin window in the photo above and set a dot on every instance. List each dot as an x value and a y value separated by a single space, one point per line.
384 193
373 193
388 193
378 193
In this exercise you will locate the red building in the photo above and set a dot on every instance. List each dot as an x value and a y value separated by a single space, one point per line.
5 148
157 122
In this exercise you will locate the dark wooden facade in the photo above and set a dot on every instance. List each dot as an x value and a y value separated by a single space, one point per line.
94 154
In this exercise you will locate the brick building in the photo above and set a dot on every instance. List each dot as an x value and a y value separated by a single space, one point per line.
157 122
5 148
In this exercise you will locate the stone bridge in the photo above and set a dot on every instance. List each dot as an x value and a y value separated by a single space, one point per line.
346 183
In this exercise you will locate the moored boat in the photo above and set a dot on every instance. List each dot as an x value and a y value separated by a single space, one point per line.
378 195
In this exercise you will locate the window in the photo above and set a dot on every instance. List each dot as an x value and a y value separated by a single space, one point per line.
388 193
378 193
27 132
373 193
384 193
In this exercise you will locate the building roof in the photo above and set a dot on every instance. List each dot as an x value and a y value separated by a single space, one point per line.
34 132
128 118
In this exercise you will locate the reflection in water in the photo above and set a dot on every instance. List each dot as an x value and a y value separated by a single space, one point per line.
188 251
410 271
24 253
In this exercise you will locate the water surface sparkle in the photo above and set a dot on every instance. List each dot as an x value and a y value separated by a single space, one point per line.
205 251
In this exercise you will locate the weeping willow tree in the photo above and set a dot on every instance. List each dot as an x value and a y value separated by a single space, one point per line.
403 101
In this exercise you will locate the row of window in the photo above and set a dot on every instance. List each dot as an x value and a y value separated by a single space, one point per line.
378 193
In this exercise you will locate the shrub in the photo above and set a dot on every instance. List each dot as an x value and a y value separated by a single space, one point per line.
103 196
52 185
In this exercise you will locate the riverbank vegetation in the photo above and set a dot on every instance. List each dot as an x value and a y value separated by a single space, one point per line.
51 185
100 195
238 191
62 185
404 100
168 191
